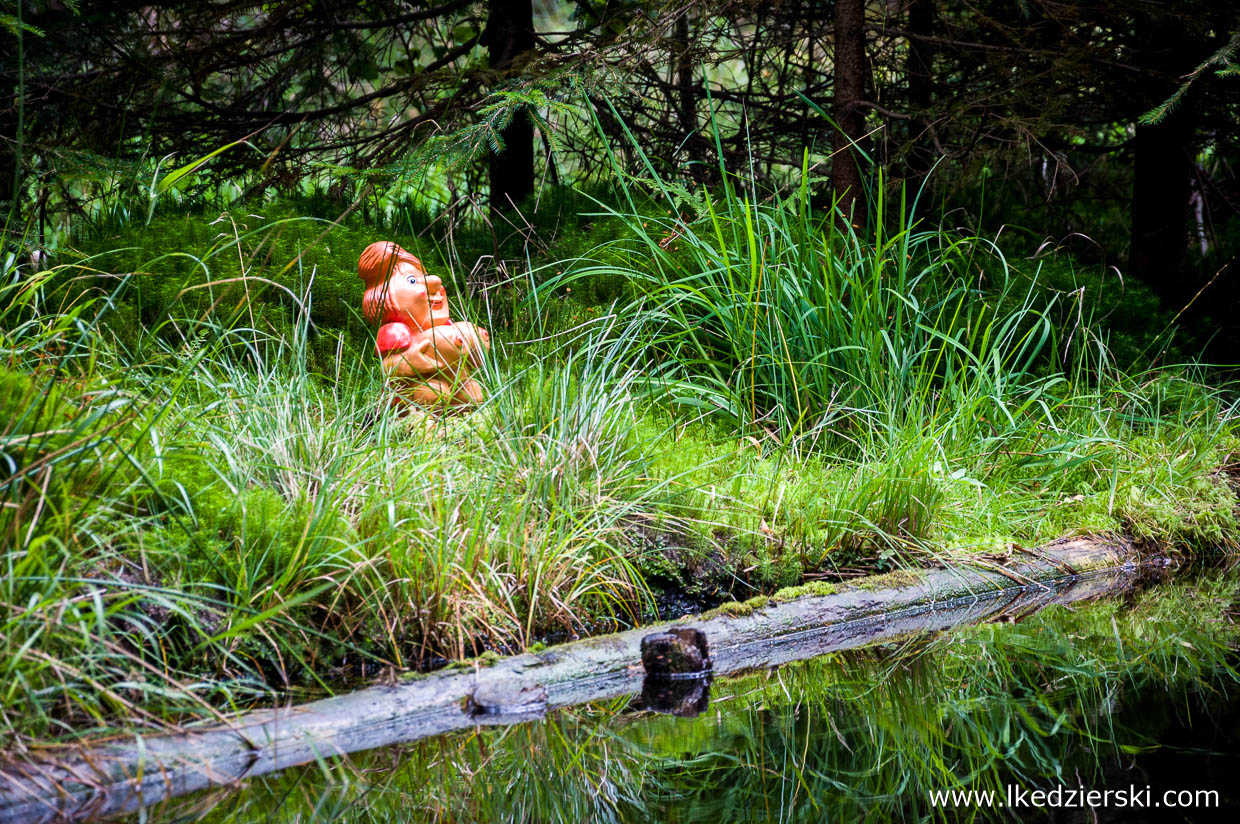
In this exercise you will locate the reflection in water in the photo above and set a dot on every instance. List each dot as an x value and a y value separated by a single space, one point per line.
1097 695
686 698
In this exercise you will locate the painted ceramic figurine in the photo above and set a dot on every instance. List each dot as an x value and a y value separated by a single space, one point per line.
428 356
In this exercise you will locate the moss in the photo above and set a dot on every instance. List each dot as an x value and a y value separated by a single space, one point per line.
891 580
738 609
186 482
813 589
204 496
489 658
1199 514
32 409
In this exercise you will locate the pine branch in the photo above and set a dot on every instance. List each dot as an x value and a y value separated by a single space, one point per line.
1222 57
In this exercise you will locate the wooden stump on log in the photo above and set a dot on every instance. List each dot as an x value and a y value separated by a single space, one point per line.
677 653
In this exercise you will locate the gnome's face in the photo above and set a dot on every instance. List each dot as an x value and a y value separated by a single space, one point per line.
415 298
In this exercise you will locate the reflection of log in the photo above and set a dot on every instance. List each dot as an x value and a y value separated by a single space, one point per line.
113 778
686 698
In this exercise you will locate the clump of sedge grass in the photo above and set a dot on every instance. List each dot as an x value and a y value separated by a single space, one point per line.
194 521
917 364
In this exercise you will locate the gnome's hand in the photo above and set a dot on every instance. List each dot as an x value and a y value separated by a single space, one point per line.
474 341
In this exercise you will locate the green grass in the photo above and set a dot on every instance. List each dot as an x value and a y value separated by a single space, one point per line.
907 389
204 501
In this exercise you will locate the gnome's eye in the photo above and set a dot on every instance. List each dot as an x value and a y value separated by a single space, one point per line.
413 280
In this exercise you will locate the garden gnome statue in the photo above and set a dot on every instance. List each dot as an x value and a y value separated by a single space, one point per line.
427 355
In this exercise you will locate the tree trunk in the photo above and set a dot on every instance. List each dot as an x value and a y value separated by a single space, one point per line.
116 777
920 154
850 74
686 99
509 33
1162 182
1163 165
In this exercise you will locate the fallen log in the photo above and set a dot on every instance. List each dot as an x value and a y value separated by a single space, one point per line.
117 777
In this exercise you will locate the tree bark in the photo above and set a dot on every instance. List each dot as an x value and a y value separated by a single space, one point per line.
920 154
115 777
510 33
850 76
1163 164
687 99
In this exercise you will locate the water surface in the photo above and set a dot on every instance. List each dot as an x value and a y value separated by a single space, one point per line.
1134 692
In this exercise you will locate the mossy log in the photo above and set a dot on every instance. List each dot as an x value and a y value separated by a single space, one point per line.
116 777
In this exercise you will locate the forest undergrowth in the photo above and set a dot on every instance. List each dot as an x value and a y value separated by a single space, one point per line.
710 394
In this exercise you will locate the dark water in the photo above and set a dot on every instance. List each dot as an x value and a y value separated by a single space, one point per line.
1139 694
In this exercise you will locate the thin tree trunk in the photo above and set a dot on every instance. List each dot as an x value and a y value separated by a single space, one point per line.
509 33
920 154
687 99
1163 167
850 72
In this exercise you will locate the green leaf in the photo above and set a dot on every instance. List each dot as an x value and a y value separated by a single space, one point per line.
242 626
172 178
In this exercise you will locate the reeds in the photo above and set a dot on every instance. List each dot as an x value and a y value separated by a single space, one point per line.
1070 696
921 364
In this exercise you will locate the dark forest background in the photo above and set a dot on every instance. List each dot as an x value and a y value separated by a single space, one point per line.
1105 128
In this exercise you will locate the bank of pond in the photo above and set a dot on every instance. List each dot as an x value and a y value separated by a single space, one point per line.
1118 679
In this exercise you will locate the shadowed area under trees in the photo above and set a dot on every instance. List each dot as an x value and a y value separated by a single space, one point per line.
1042 101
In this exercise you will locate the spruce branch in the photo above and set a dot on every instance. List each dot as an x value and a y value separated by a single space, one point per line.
1222 57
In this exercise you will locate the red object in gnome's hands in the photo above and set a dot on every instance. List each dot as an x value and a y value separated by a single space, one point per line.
393 337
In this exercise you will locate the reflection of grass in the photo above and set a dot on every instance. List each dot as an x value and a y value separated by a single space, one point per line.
1056 699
